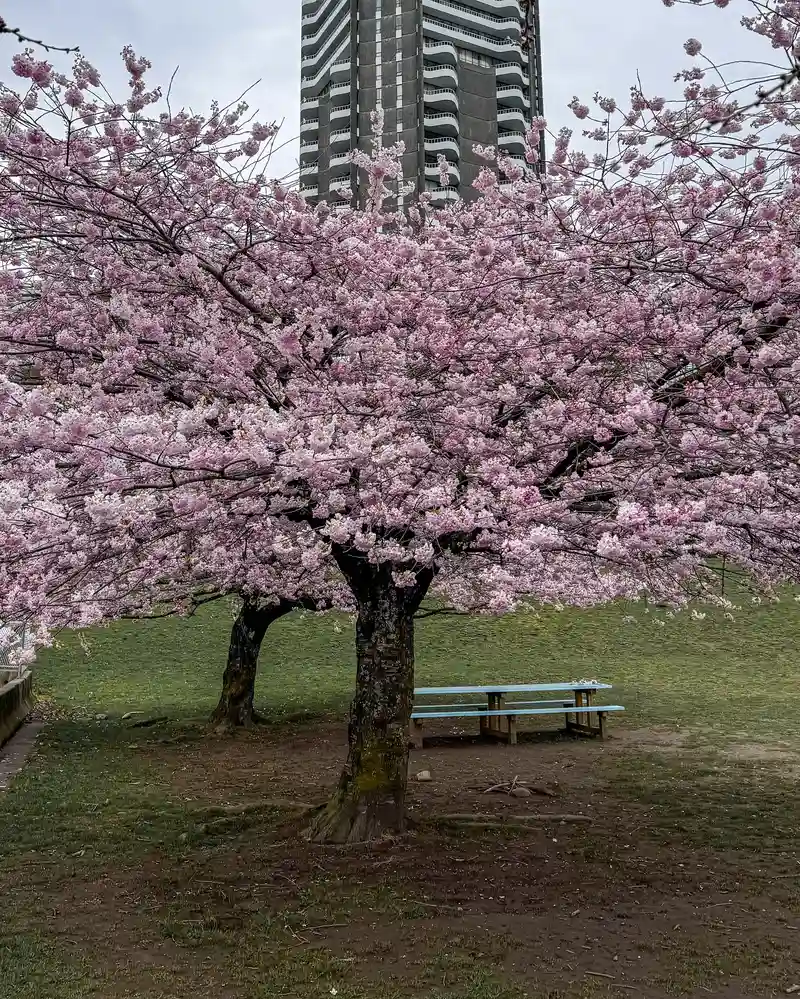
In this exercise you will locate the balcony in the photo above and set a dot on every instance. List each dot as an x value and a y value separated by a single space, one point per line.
337 69
328 51
339 138
512 72
512 118
511 142
309 149
442 123
340 163
340 184
315 10
308 168
441 98
441 52
340 88
339 114
435 145
437 75
432 171
309 128
309 190
339 13
477 20
444 196
511 96
507 49
500 8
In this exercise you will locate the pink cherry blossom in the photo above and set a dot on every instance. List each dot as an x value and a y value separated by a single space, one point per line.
579 387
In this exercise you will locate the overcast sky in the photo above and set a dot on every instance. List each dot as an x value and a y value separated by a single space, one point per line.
224 47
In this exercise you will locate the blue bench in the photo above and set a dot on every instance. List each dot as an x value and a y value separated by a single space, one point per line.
511 711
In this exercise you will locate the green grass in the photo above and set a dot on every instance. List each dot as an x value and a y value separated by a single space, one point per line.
31 967
736 678
100 801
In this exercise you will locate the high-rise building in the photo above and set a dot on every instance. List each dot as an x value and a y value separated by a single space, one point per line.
447 73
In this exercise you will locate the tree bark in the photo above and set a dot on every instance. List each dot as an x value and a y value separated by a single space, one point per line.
369 801
235 708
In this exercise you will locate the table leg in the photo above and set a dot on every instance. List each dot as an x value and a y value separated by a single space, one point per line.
492 726
512 729
589 695
416 733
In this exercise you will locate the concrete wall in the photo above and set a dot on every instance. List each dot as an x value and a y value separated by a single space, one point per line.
16 703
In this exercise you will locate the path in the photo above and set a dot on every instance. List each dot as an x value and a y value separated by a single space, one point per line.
16 751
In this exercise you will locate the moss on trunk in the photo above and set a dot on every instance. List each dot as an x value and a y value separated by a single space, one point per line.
370 799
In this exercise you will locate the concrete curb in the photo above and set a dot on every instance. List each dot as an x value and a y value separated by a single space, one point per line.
16 751
16 703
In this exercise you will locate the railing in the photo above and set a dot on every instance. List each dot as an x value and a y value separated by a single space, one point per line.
505 68
512 90
311 19
512 23
11 671
438 68
441 118
320 9
312 81
457 29
432 169
441 91
327 50
323 30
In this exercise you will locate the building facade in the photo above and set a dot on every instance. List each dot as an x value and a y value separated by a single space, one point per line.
447 75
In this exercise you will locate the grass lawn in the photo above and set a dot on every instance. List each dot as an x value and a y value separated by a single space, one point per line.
735 677
128 868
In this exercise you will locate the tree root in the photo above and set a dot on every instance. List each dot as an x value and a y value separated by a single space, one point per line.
228 811
147 722
506 787
346 820
221 818
507 822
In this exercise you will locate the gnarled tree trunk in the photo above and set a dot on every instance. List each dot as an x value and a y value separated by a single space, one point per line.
370 799
235 708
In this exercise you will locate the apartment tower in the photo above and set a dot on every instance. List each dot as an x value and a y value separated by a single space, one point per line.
447 75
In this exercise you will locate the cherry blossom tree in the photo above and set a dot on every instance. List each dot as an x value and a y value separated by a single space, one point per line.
569 391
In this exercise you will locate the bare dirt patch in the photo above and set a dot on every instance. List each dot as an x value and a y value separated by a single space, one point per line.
559 910
758 753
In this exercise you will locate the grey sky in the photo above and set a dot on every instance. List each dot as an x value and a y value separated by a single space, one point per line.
222 48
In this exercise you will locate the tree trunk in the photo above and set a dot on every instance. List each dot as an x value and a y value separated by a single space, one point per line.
235 708
370 799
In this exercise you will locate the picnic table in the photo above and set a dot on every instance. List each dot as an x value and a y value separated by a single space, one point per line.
498 715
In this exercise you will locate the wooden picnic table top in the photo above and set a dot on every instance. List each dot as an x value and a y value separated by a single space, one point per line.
510 688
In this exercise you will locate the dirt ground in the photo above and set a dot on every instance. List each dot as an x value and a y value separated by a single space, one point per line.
607 906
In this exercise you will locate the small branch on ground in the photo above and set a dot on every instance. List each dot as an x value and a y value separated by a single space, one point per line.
508 787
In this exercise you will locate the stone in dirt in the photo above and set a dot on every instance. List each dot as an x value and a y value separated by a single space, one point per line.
424 775
520 792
